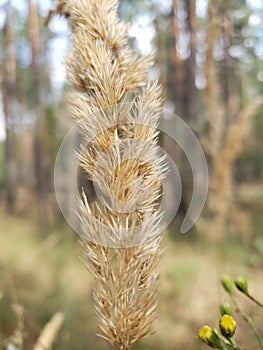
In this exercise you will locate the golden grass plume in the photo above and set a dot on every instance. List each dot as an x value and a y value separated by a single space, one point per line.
117 112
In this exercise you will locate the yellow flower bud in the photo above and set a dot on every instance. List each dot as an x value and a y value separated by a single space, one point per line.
227 326
210 337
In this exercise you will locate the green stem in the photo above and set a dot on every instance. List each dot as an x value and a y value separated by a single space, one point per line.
223 348
254 300
230 343
234 344
248 320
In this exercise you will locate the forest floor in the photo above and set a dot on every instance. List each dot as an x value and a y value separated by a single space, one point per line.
41 271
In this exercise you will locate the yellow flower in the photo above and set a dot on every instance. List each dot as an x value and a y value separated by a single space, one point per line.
210 337
227 326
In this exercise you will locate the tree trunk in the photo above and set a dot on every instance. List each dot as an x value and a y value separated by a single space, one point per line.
33 32
214 108
230 93
8 82
191 95
177 66
227 137
161 64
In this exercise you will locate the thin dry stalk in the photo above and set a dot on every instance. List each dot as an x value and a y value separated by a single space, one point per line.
117 112
50 332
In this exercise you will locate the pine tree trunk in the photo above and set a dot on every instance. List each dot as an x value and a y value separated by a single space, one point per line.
34 37
214 109
161 64
8 82
177 66
191 95
230 92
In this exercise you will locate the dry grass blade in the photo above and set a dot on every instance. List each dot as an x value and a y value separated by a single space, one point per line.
50 332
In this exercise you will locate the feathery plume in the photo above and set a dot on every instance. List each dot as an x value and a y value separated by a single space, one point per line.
117 112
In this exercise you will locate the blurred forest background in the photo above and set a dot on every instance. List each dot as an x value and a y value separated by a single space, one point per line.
209 60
